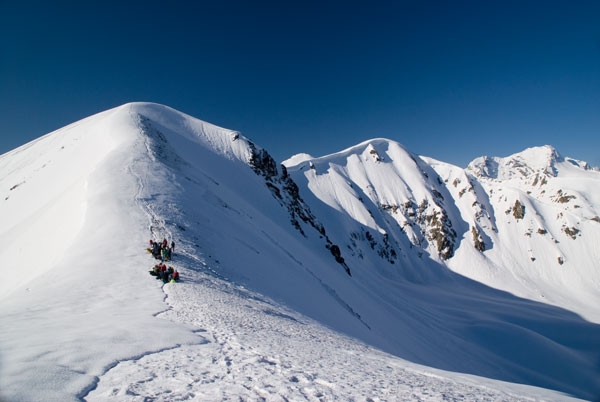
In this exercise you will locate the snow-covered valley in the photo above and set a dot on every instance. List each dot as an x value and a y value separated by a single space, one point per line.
356 276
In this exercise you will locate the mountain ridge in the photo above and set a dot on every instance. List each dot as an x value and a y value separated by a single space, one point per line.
408 254
450 207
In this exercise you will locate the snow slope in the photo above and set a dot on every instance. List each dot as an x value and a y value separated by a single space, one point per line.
410 218
399 205
291 290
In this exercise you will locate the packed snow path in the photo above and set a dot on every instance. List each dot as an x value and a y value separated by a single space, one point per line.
251 349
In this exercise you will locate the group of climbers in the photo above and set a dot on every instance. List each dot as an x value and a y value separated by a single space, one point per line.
164 252
165 274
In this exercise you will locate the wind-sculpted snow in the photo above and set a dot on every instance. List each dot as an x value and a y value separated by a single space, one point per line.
223 142
264 310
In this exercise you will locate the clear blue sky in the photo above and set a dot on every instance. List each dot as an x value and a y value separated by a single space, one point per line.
453 80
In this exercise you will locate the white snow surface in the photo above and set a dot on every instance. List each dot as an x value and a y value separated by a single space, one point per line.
263 311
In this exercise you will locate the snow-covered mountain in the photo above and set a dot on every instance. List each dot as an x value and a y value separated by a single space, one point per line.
528 224
370 274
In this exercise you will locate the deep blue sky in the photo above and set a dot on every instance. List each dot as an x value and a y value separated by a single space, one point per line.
453 80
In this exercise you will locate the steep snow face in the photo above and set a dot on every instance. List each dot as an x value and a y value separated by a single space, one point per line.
392 199
527 223
360 241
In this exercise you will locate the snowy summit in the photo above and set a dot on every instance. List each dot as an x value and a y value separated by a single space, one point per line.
372 274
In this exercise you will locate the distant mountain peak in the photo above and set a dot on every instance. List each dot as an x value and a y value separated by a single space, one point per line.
531 161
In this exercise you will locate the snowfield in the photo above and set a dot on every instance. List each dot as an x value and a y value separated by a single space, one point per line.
257 350
266 308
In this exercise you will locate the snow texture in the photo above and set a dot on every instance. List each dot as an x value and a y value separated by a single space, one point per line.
360 279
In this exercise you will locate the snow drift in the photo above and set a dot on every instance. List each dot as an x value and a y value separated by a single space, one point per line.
488 271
